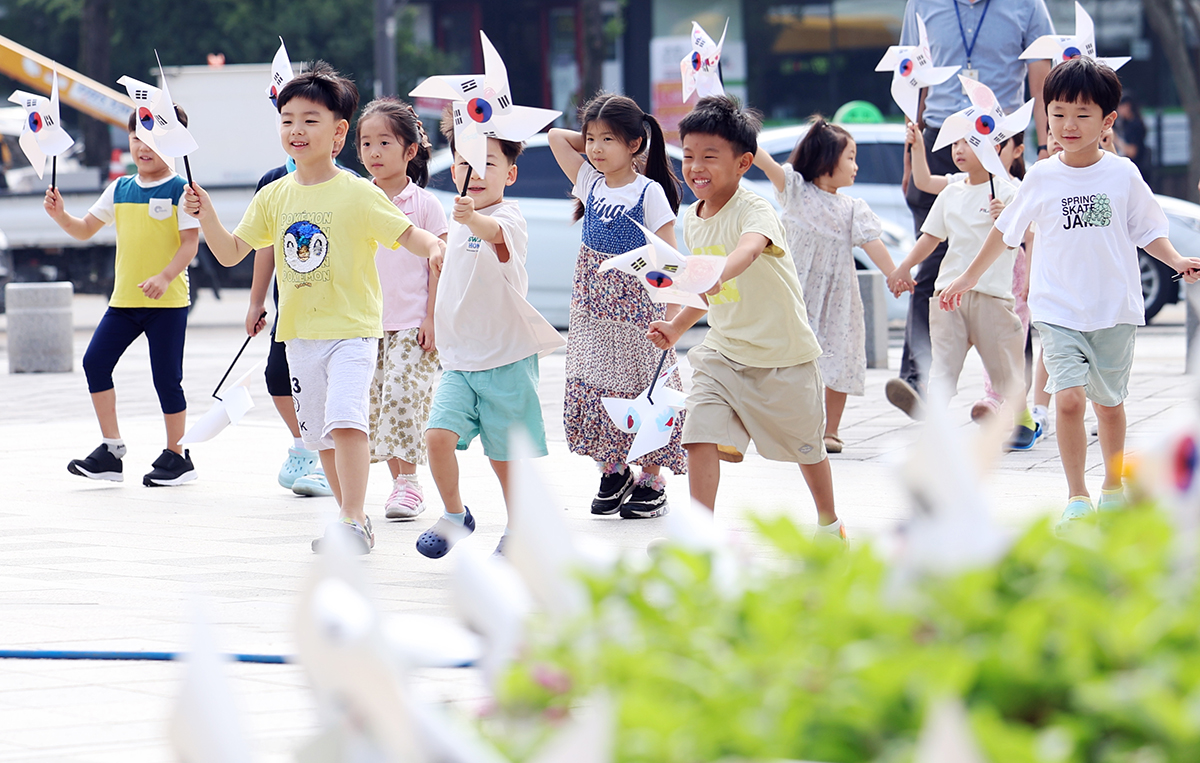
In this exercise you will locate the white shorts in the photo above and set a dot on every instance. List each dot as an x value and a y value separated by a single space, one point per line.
331 386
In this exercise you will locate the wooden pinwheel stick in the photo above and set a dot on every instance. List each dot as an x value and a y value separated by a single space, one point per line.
235 357
653 381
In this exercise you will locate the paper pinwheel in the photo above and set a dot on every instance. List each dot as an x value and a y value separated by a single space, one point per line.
42 134
228 410
281 73
700 67
912 69
483 108
669 276
652 415
984 125
1059 48
205 726
157 126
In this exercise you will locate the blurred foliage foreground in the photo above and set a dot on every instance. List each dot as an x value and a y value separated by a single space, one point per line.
1065 650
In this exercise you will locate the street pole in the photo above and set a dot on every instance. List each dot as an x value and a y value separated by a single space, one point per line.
385 47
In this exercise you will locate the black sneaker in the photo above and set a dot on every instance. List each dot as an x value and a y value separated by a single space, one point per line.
101 464
614 489
645 502
170 468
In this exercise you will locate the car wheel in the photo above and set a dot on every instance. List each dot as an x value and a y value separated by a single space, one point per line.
1158 288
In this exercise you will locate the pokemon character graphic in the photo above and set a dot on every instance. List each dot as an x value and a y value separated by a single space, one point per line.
304 246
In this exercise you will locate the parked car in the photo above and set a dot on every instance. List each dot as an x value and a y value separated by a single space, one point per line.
545 197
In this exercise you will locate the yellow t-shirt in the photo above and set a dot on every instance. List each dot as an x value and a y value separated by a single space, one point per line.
325 238
148 221
758 319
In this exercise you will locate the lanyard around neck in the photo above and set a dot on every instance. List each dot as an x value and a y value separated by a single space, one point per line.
958 14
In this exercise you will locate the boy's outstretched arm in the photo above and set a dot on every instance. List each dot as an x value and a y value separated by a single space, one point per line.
226 247
81 228
156 285
771 168
1162 250
993 247
567 147
664 334
748 249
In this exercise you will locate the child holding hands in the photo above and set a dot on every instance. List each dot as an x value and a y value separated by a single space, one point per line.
823 227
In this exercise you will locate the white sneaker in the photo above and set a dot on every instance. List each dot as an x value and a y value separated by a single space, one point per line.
1041 417
406 500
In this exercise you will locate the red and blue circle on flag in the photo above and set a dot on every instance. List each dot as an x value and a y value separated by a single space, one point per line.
697 61
1187 458
658 279
906 67
35 121
985 124
479 109
146 118
274 96
1071 52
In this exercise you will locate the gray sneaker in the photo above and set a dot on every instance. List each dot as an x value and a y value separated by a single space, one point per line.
902 395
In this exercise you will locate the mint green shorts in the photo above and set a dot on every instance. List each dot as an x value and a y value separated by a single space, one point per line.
490 404
1099 361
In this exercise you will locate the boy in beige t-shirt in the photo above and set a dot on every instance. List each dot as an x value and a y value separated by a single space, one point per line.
755 376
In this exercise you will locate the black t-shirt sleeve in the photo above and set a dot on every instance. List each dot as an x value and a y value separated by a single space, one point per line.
270 177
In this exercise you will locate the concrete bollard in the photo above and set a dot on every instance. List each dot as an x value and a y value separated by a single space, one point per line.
40 331
873 288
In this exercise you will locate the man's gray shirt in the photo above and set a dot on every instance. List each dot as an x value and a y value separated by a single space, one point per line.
1007 29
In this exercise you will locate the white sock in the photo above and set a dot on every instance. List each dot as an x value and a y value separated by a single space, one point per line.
1040 412
116 447
298 443
833 528
410 478
458 519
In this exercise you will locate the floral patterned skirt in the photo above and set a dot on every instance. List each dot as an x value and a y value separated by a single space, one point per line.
401 395
608 355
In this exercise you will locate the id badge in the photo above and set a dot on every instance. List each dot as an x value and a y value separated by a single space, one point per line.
967 71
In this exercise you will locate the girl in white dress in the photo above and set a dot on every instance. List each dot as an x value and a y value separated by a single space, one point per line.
823 227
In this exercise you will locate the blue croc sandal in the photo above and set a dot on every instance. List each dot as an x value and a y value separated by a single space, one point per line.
299 463
1077 508
437 541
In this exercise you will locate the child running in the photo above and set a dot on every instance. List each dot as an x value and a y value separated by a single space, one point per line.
325 225
755 375
823 227
489 338
961 216
1011 156
150 296
608 354
392 145
1093 210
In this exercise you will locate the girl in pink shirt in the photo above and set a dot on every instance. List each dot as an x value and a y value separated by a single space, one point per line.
392 145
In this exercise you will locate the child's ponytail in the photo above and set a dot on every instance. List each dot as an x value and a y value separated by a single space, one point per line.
658 164
625 118
1017 167
820 150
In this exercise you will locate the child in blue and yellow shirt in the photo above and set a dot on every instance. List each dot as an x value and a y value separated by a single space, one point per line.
155 243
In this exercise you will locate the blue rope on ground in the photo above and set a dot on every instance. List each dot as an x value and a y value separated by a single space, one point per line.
58 654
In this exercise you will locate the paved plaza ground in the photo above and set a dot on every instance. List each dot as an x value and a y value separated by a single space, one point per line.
87 565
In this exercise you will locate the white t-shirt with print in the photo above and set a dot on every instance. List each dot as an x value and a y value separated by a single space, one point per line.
607 203
960 217
1090 220
481 318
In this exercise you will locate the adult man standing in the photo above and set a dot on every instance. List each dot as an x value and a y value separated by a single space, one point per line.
985 38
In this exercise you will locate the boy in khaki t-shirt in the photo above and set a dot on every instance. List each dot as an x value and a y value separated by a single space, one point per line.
755 375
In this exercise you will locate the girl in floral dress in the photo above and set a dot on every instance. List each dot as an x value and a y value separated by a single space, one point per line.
608 354
823 227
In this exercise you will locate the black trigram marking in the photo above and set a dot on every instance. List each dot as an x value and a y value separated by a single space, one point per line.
638 264
458 120
974 140
160 119
469 85
278 78
31 103
671 268
48 120
504 101
141 95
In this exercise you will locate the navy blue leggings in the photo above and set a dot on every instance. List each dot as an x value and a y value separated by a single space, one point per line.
164 327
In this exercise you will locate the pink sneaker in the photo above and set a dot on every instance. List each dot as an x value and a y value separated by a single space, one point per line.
406 500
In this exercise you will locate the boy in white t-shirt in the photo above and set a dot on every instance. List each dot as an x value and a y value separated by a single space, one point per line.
1093 211
489 338
962 215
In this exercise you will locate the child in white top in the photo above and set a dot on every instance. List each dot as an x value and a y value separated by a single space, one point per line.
1093 211
393 147
627 178
489 338
823 227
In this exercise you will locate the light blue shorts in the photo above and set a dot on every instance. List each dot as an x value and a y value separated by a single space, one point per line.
489 404
1099 361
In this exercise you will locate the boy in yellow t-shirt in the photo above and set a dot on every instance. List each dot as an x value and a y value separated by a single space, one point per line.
150 296
325 226
755 375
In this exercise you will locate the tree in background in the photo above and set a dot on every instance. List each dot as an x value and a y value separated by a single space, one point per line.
1169 20
95 49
